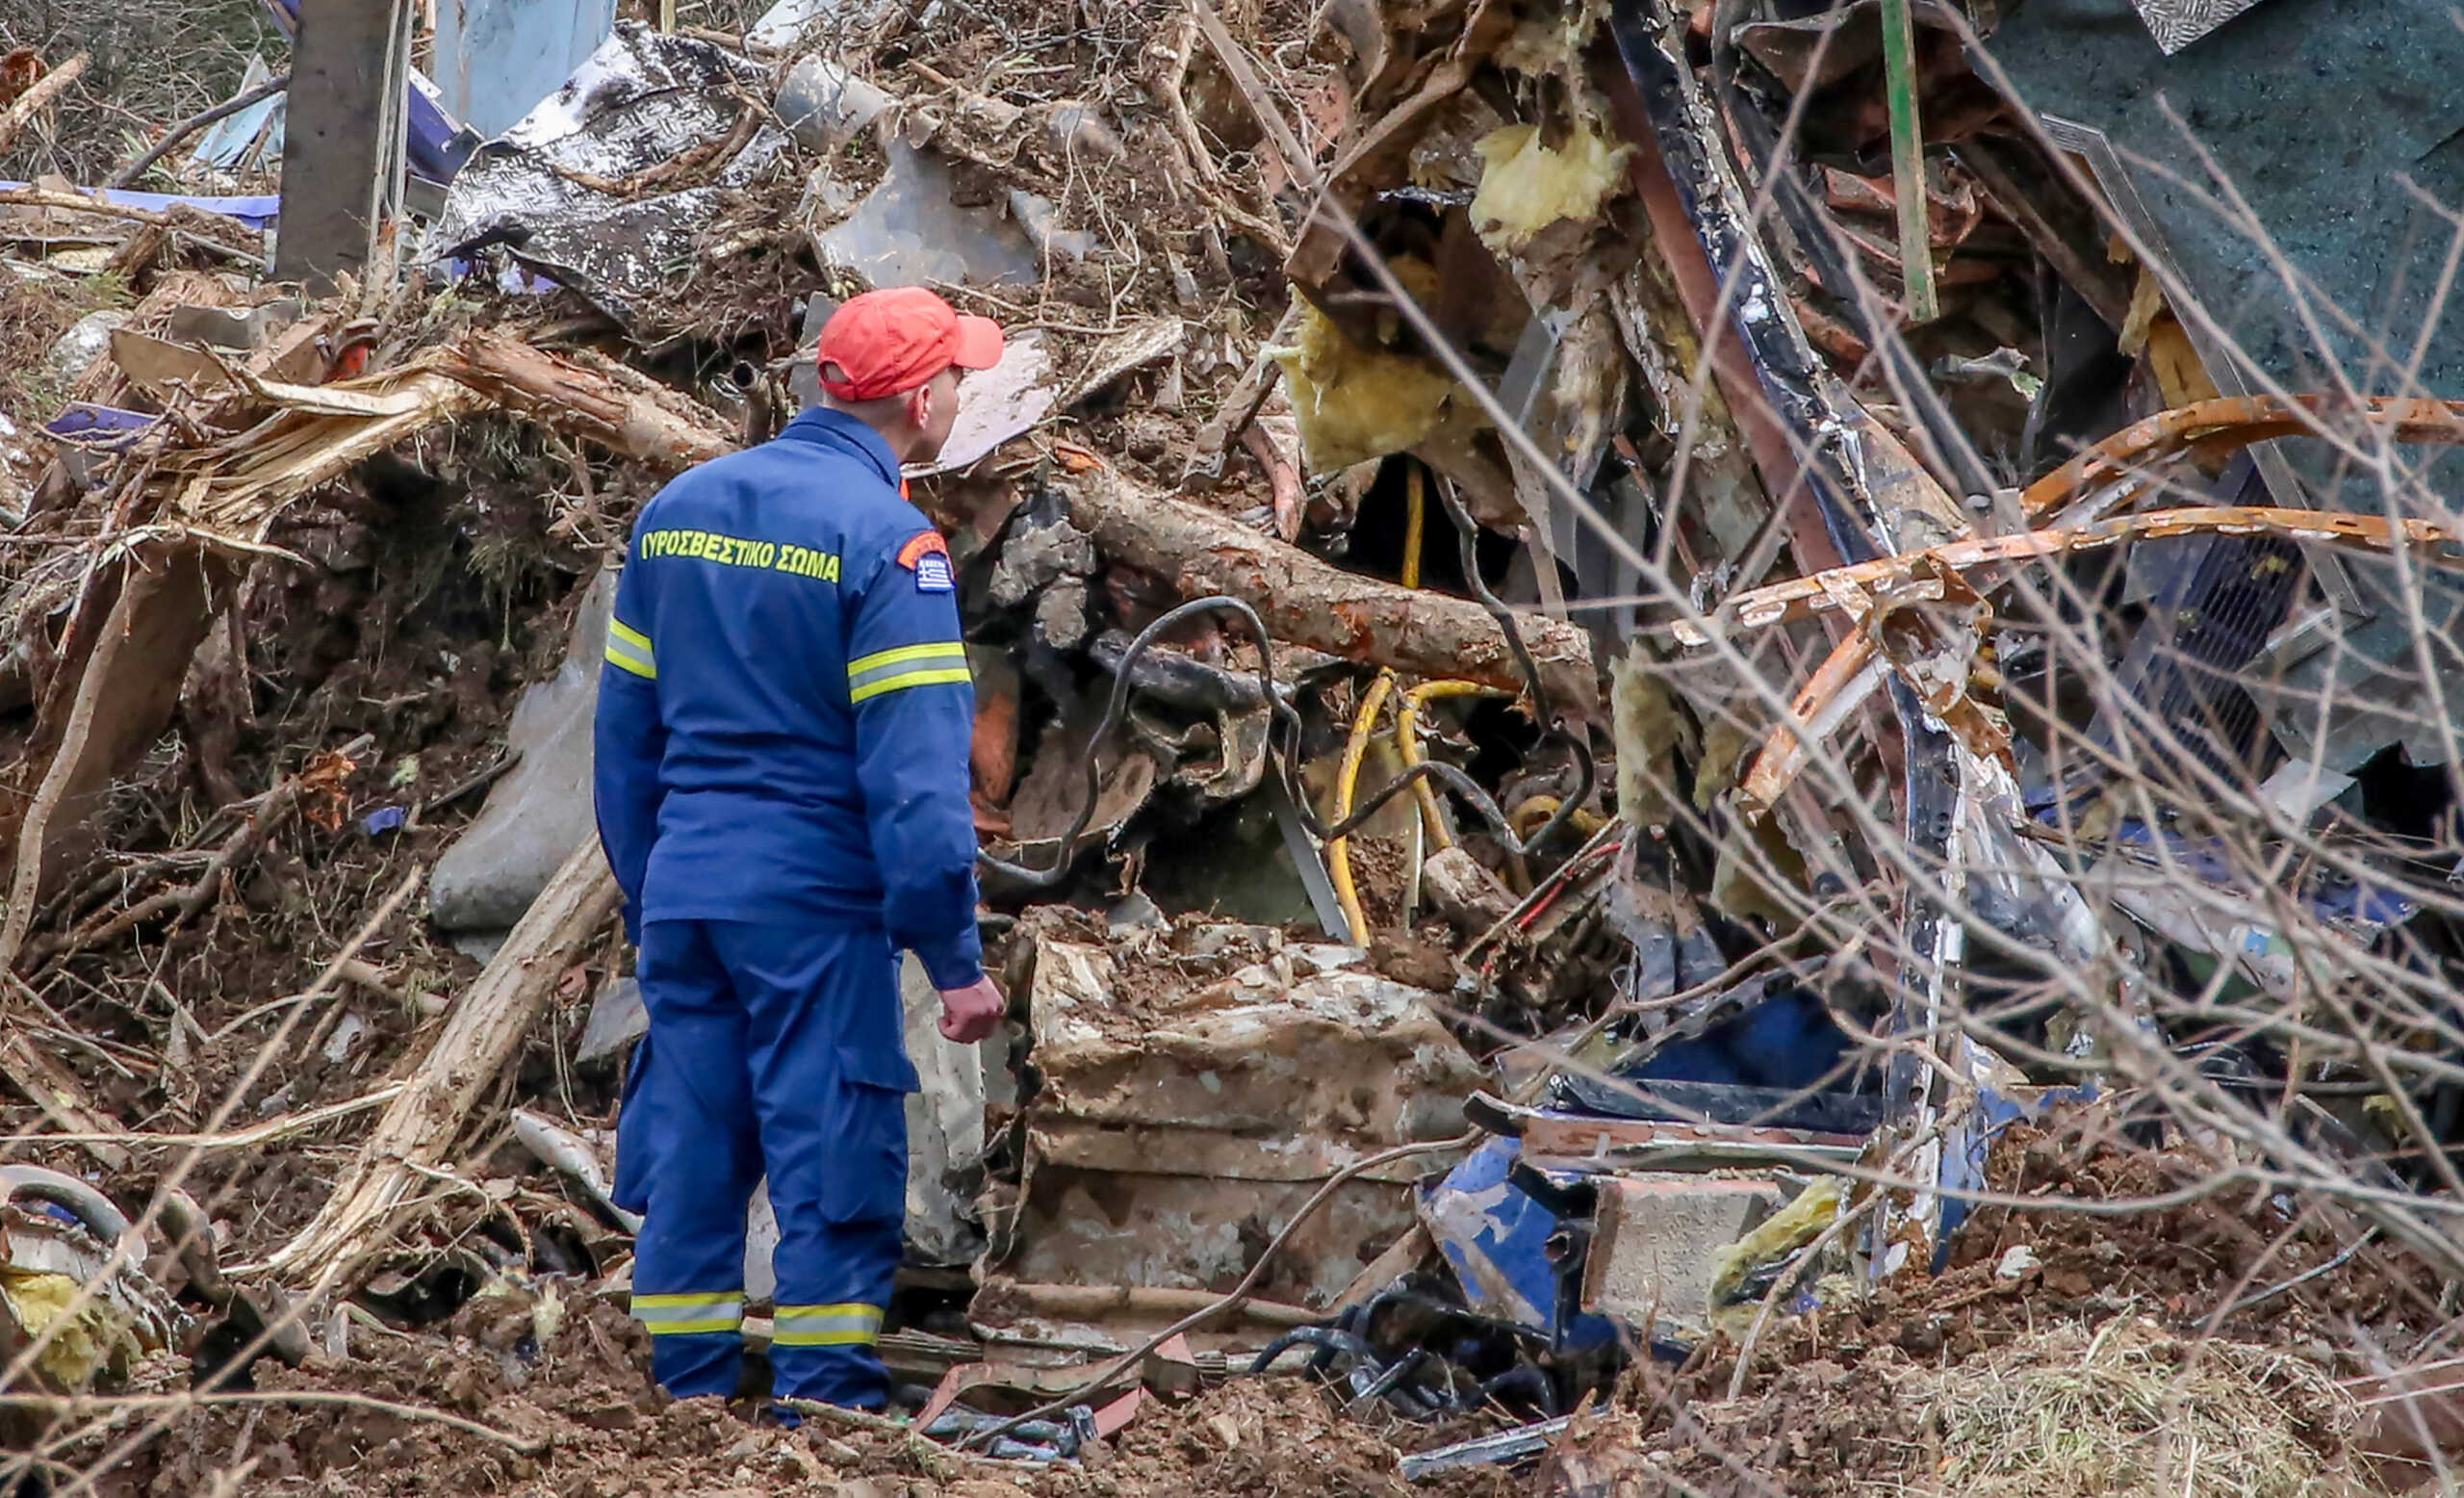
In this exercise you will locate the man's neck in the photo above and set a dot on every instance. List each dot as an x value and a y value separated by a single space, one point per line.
901 444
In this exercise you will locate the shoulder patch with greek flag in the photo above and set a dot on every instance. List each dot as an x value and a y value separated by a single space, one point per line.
928 557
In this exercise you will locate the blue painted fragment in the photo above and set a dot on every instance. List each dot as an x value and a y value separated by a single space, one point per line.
1495 1236
105 427
496 58
437 145
254 212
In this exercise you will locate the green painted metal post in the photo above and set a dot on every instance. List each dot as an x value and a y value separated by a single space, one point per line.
1907 160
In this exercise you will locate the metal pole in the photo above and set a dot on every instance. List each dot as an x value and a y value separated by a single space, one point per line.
1907 160
343 145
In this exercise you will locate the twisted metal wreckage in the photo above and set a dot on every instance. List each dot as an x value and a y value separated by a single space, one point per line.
1578 279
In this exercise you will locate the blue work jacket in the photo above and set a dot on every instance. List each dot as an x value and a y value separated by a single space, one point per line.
785 714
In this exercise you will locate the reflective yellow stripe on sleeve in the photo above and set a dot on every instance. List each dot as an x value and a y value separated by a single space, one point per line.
630 648
908 665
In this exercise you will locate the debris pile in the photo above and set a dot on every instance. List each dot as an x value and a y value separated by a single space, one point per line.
1715 752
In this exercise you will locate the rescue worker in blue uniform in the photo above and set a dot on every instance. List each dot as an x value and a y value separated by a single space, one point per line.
784 719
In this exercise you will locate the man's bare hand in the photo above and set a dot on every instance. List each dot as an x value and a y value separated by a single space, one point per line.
970 1014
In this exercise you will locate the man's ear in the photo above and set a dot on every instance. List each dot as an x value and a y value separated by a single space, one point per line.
920 406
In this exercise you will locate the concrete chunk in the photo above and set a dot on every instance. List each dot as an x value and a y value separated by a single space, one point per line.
1656 1240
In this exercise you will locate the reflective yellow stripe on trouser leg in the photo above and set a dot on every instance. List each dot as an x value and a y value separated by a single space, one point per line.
844 1325
674 1315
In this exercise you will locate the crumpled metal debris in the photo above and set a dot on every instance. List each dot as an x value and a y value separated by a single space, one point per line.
605 187
57 1240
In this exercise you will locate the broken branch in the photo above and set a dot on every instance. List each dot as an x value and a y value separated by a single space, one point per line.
1308 601
486 1030
195 122
616 407
30 103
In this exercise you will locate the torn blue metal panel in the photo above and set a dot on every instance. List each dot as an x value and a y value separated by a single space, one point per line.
1495 1236
497 59
254 212
229 143
102 427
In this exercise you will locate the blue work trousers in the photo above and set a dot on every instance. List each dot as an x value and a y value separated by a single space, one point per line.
778 1049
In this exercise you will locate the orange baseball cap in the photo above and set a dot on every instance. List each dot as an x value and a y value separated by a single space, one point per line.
888 342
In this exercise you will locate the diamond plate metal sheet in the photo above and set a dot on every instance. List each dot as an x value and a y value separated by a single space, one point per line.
2177 23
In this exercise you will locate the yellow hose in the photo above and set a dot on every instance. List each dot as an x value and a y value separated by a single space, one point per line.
1407 744
1528 817
1339 849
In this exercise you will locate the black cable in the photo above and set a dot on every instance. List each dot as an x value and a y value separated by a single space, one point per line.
1044 878
1284 733
1327 1341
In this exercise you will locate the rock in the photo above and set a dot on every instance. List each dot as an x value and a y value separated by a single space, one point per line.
1035 557
617 1019
944 1130
1061 613
1077 131
1041 218
2018 1264
235 328
536 815
1463 892
760 1241
82 345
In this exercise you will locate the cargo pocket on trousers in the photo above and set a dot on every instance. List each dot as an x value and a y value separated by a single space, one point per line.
873 1085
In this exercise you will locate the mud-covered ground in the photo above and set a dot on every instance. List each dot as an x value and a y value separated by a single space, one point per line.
579 1420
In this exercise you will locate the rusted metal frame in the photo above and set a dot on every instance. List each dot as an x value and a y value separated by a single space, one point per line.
2118 470
2080 261
1837 686
2215 428
1917 576
2115 179
1651 37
